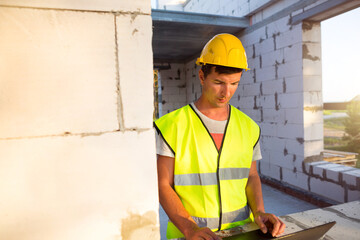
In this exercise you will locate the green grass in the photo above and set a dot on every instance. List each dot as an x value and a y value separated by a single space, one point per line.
335 123
334 143
329 112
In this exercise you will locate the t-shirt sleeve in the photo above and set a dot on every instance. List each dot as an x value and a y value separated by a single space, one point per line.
257 152
162 148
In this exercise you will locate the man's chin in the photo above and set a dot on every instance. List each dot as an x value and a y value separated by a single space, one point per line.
221 104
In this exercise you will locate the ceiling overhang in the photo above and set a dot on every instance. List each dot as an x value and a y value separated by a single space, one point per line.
326 10
180 36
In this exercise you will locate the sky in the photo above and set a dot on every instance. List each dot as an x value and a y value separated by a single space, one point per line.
340 43
340 46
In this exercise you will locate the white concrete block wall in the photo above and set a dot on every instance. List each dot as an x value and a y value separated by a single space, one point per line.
173 88
334 181
193 86
78 109
313 118
279 98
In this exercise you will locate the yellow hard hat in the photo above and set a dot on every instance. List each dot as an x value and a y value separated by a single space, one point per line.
225 50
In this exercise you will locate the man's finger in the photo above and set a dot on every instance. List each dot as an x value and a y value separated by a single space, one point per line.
260 223
212 235
276 225
281 229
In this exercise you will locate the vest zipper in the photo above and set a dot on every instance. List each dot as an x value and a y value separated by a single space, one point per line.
218 159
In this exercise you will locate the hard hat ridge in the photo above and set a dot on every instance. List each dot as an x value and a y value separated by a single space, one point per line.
225 50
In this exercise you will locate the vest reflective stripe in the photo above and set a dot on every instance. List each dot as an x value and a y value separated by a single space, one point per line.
210 178
229 217
210 182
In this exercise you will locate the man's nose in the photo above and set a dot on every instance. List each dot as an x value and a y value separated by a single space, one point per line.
226 90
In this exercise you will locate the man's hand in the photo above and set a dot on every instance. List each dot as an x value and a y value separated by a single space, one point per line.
269 223
201 234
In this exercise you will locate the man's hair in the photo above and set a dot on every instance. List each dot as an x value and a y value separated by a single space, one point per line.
206 69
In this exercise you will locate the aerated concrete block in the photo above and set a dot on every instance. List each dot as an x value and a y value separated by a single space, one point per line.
273 143
313 114
353 195
74 187
352 177
297 179
266 101
294 115
312 83
293 52
254 37
264 46
272 58
253 114
271 87
135 72
312 51
290 131
169 90
245 102
290 69
282 160
247 77
312 68
289 38
320 169
268 129
270 170
314 131
314 147
335 172
327 189
59 72
265 74
251 89
293 84
263 167
312 98
278 26
295 146
274 116
311 32
291 100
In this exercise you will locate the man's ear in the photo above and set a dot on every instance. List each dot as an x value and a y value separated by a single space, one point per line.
201 77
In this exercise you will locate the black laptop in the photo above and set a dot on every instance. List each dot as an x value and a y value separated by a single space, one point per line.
313 233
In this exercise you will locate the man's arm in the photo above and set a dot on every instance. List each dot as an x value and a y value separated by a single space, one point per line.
255 200
172 205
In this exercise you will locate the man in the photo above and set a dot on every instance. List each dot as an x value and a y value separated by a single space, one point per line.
207 154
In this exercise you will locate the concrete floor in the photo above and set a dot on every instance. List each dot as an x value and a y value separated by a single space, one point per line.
275 202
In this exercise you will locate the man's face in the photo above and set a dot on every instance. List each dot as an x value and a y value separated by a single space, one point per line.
218 89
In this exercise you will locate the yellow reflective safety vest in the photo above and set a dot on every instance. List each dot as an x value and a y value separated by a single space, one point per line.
210 182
